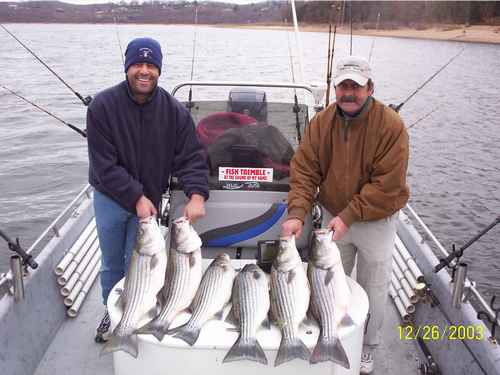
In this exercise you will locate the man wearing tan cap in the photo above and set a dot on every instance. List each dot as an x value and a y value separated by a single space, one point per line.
355 152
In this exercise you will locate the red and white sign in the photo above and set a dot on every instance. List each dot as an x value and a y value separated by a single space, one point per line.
246 174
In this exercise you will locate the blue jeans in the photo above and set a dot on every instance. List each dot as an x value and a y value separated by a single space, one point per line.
117 230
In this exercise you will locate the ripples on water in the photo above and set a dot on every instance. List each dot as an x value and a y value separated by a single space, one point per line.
454 169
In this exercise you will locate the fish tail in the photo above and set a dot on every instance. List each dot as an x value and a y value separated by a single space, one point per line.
330 350
185 332
155 328
125 343
290 349
248 348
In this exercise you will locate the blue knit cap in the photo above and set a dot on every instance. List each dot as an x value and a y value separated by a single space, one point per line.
143 50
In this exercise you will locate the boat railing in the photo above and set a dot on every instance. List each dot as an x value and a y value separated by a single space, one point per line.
303 86
470 287
52 230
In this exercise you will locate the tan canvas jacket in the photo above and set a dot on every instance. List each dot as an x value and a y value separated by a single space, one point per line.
359 165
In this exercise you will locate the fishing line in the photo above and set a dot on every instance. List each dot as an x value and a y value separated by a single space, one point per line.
398 108
86 101
75 128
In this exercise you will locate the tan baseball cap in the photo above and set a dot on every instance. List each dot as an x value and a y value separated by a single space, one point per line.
355 68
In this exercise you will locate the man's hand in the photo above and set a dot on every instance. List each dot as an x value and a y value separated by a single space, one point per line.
291 227
338 227
195 208
145 208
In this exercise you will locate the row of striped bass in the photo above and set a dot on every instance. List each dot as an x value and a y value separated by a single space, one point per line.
145 278
183 276
213 295
330 295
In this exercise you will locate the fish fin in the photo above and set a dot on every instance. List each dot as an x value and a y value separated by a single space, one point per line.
248 349
192 260
329 276
291 276
127 344
308 322
152 312
291 349
231 317
346 321
219 314
154 261
185 333
266 323
330 350
155 328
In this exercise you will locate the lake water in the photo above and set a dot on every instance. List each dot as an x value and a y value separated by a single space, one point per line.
454 172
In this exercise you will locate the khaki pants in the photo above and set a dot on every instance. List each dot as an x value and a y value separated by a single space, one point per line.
373 242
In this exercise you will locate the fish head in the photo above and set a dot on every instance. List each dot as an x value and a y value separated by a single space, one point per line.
149 239
325 252
222 260
254 270
186 239
288 256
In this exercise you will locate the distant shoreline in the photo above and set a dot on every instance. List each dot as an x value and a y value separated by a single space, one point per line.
455 33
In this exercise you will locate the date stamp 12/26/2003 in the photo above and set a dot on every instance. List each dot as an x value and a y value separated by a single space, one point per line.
433 332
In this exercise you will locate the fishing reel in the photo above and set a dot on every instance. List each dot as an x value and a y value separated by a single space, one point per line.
27 259
493 322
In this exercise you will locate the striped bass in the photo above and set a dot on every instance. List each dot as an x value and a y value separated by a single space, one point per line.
212 296
330 298
143 281
289 300
182 278
249 311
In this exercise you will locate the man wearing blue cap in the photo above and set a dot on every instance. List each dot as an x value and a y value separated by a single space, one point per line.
138 136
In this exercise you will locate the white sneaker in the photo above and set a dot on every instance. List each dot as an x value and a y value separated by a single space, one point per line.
366 366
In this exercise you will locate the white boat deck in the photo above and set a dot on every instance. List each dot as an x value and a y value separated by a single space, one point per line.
73 350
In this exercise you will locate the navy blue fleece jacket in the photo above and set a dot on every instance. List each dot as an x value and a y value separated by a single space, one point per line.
133 148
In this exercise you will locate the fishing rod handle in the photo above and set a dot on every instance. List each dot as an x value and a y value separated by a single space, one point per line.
16 247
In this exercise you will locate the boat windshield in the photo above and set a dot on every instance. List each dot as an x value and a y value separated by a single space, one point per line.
248 141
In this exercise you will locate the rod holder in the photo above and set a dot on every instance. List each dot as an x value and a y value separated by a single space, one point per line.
16 267
458 284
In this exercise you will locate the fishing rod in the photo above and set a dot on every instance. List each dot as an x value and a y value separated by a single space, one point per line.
298 40
119 42
329 68
331 52
16 247
296 107
190 97
86 101
373 40
398 107
350 23
422 118
83 133
445 262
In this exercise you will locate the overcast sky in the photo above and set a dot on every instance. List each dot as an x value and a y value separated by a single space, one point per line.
116 1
